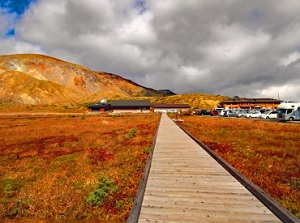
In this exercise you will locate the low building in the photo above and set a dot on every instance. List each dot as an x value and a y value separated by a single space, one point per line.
250 103
99 107
137 106
174 108
130 106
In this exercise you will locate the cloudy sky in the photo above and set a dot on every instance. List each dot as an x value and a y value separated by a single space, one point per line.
228 47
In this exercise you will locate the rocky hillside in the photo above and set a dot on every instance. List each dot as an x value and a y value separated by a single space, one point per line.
40 79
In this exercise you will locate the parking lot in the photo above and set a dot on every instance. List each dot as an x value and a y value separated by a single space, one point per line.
262 114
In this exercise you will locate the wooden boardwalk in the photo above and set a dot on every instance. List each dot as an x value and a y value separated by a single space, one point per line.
186 185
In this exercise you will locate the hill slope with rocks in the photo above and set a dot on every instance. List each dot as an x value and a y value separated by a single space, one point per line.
40 79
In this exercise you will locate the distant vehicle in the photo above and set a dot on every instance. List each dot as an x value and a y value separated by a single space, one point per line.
214 112
246 114
174 111
288 111
241 113
221 112
229 113
269 115
265 110
202 112
219 109
252 114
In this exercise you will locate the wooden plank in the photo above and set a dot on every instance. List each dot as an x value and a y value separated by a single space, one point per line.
186 185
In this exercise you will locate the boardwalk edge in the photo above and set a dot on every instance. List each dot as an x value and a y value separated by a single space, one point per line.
137 204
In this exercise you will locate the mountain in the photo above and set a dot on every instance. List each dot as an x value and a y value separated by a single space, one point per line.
40 79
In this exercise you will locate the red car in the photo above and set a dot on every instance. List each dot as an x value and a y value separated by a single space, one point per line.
213 112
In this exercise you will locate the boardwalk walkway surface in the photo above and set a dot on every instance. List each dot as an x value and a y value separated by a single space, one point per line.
186 185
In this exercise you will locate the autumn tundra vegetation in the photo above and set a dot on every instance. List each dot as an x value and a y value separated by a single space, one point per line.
267 153
72 167
88 167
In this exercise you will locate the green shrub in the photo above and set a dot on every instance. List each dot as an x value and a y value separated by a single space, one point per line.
132 132
10 186
147 150
105 187
119 204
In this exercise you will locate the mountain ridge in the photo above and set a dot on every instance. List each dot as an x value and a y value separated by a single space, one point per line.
67 82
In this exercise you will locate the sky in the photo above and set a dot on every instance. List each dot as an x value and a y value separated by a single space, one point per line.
233 47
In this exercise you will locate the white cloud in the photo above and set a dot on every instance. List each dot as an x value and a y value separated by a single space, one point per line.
11 46
293 57
6 22
235 43
137 31
287 92
192 74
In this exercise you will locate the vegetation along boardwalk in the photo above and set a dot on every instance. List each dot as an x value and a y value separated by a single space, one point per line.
185 184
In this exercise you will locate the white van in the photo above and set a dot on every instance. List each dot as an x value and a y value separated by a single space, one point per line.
289 111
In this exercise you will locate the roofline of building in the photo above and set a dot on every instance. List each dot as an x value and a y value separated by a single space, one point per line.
256 100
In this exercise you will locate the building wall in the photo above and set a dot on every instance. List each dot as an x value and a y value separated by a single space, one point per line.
161 110
96 110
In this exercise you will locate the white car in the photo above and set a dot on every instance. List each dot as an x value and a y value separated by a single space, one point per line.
253 114
269 115
241 113
221 112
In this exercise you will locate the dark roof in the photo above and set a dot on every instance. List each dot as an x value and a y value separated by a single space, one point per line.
171 106
130 103
252 100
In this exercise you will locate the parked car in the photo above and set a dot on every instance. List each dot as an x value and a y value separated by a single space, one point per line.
221 112
214 112
269 115
253 114
229 113
219 109
264 110
241 112
202 112
196 112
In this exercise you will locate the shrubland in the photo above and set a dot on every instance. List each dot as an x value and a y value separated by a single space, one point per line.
72 168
